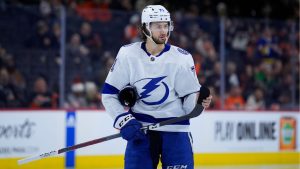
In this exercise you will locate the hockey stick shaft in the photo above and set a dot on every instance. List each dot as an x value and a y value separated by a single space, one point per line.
88 143
197 110
66 149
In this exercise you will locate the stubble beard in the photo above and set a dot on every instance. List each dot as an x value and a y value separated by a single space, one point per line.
158 41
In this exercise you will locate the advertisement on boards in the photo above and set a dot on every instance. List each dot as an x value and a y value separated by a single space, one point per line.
245 132
28 133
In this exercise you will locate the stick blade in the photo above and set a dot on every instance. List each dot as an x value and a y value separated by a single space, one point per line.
37 157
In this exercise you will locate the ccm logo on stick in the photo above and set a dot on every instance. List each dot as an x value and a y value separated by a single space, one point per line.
48 154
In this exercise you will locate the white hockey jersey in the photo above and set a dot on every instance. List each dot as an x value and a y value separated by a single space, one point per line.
161 81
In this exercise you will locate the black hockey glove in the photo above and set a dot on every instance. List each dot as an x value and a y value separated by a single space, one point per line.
128 96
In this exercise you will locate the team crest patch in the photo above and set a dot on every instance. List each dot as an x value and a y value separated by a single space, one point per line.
183 51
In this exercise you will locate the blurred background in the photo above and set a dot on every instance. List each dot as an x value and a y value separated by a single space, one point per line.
56 54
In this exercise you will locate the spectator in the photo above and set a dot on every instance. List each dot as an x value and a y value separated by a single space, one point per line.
207 51
108 61
193 11
247 83
42 37
183 41
240 41
92 95
45 8
235 101
248 58
16 79
8 93
50 8
41 97
231 75
77 98
214 78
55 36
124 5
256 101
267 47
88 38
285 101
92 10
264 75
285 93
131 32
78 59
76 48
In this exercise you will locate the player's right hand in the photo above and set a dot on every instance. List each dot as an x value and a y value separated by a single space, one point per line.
131 131
130 127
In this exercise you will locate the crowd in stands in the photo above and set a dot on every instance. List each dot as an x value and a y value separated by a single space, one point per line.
262 56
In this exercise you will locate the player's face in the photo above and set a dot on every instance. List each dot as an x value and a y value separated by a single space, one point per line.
159 31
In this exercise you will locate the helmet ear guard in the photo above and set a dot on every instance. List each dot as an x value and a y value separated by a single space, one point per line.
146 30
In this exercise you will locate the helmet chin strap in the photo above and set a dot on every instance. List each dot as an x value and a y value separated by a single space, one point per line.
150 37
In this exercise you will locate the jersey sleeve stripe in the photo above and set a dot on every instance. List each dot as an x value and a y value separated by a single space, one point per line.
109 89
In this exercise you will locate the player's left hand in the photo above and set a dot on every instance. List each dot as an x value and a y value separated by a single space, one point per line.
206 102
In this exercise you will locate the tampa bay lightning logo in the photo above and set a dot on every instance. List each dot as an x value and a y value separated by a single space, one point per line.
154 90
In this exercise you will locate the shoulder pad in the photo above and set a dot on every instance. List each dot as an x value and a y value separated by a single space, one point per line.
183 51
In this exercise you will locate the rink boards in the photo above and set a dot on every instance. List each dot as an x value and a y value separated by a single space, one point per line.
220 138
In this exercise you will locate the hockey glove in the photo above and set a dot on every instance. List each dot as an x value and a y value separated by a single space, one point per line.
128 96
130 127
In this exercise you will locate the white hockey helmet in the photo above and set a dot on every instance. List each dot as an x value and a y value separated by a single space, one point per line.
156 13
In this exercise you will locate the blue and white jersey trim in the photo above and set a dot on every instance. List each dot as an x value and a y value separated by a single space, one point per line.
109 89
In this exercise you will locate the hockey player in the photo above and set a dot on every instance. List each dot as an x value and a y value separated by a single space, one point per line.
167 87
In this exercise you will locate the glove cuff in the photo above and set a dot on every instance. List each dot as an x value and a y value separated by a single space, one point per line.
122 120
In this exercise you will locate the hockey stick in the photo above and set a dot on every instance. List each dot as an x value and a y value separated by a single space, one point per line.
204 93
196 111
